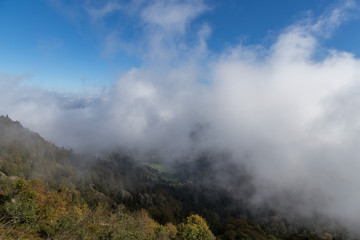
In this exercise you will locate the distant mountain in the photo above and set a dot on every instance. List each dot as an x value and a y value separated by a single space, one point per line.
78 102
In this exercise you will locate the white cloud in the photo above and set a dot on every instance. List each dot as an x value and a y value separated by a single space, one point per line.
161 24
172 16
333 18
97 14
111 44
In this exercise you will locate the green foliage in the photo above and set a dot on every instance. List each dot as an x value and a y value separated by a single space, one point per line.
21 207
58 215
157 166
20 211
166 232
242 229
195 228
304 236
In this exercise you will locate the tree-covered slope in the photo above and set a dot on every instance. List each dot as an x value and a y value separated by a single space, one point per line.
51 192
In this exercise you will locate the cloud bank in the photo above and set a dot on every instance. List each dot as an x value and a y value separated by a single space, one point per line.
290 116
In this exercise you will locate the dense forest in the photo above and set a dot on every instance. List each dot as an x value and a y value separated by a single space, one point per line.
47 192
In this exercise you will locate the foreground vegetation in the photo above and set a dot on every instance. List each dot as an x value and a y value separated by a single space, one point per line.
30 211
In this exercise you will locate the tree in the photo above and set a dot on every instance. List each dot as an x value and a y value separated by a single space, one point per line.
21 208
195 228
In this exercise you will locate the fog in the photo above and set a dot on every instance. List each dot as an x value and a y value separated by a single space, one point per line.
288 111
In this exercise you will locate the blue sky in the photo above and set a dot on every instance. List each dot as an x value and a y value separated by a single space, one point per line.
65 46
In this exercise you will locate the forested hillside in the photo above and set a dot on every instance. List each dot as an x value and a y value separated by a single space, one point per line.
48 192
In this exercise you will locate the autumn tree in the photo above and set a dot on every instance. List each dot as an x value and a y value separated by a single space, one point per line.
195 228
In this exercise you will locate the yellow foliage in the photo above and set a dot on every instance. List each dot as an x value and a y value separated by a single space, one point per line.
78 211
195 228
50 204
